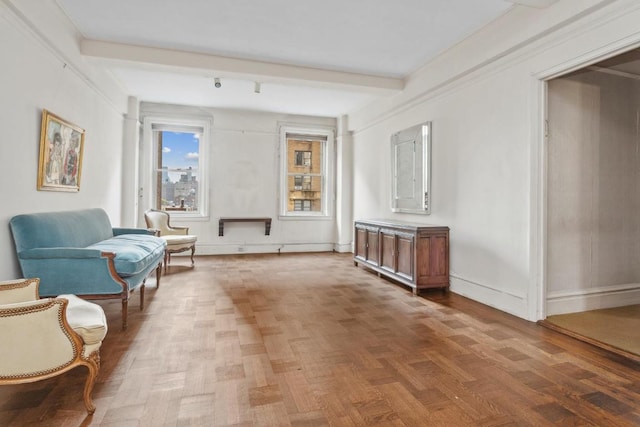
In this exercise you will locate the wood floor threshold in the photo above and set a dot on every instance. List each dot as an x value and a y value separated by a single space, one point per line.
608 347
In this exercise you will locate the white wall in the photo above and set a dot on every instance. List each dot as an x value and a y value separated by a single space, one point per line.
41 68
485 99
244 175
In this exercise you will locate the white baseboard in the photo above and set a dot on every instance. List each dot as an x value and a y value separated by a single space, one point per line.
210 249
496 298
592 299
343 247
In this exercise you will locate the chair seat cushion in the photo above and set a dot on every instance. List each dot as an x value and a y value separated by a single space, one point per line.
86 319
176 239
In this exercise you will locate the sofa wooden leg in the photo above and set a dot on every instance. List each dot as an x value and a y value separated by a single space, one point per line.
142 296
125 306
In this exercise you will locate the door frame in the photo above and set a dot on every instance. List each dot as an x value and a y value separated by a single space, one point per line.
539 167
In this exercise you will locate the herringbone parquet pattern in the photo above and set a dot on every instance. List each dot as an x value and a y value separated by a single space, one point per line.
311 340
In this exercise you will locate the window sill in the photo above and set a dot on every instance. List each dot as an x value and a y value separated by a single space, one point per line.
305 218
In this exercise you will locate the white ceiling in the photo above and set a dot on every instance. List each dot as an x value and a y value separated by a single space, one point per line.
323 57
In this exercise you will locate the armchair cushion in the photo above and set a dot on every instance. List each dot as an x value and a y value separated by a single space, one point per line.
86 319
175 241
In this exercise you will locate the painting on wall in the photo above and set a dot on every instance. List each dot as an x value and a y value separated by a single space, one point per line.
60 163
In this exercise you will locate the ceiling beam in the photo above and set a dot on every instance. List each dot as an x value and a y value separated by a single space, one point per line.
220 66
538 4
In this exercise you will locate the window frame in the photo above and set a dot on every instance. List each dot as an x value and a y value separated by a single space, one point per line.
149 188
326 175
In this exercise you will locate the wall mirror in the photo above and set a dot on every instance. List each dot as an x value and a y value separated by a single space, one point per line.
411 169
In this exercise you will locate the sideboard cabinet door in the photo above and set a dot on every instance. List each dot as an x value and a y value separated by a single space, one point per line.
366 244
360 245
406 257
388 250
373 246
433 267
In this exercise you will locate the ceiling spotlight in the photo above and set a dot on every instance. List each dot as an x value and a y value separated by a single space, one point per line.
217 82
256 87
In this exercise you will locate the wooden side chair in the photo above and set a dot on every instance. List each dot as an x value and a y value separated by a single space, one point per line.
177 237
42 338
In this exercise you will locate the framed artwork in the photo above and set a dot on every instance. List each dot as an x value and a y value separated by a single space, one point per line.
60 164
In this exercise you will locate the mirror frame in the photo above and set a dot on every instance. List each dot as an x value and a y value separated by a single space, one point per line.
411 169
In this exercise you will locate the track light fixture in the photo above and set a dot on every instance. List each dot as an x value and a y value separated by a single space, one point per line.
217 82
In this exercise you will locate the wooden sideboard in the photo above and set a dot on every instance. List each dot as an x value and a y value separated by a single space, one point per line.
416 255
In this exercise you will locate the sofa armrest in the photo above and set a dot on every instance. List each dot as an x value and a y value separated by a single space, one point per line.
48 253
124 230
73 270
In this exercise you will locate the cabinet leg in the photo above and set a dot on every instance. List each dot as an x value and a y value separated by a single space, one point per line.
415 292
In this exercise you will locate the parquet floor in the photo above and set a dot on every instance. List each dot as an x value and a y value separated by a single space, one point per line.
311 340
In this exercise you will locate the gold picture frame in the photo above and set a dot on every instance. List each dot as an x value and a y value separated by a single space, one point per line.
60 162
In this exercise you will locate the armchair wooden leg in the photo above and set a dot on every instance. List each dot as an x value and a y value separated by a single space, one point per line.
166 260
193 251
93 365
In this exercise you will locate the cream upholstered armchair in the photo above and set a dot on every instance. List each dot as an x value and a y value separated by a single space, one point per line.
177 237
42 338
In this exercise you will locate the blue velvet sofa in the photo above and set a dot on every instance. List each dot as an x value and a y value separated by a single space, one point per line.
79 252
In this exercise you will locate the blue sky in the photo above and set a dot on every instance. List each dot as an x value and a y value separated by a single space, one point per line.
180 149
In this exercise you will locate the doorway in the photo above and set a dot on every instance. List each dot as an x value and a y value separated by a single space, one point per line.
593 193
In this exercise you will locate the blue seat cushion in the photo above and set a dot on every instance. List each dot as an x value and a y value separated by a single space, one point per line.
134 252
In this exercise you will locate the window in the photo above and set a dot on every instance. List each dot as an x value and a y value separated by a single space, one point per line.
302 182
306 182
307 188
177 171
302 205
303 158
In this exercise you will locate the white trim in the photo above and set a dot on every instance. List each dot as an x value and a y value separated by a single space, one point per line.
258 248
147 160
488 295
538 202
543 304
593 299
343 247
531 46
22 23
328 166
